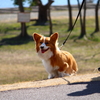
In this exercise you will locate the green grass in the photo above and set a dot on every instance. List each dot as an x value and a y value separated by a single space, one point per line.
21 63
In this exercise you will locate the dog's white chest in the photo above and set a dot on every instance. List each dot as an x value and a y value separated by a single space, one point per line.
49 68
47 65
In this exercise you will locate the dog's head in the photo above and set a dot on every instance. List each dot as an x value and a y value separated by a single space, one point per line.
43 44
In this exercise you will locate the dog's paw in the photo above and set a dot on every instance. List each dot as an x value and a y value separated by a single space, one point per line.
50 76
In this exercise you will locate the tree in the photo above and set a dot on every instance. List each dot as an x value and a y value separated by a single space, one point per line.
82 22
70 16
23 25
96 18
43 11
50 21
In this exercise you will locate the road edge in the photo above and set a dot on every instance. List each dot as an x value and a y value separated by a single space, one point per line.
52 82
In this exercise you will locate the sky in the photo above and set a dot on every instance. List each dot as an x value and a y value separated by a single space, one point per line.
9 3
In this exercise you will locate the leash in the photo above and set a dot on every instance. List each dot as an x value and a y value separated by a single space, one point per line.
73 24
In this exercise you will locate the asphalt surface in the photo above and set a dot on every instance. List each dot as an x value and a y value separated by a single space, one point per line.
74 91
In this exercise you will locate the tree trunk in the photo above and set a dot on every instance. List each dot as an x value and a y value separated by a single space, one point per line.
70 16
83 23
43 12
50 21
23 25
96 18
80 17
42 17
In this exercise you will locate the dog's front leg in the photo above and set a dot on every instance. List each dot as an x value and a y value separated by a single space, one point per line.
53 74
50 76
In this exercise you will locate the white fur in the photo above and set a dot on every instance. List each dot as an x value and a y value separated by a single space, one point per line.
44 45
52 71
45 56
62 74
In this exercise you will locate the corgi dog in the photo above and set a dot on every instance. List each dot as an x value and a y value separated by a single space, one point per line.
57 63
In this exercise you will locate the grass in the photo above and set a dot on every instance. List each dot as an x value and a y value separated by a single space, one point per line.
20 62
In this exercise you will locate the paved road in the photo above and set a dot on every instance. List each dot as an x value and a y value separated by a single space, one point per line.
34 15
74 91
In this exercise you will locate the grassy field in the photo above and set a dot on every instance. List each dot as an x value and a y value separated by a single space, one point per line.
20 62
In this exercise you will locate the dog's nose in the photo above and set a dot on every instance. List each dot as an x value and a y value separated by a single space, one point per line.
42 47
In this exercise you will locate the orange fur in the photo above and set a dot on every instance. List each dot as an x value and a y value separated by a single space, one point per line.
55 60
65 61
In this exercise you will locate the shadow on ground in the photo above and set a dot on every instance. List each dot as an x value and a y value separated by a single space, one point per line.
16 40
91 88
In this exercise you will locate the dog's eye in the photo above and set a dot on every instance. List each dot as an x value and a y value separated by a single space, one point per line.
46 43
41 42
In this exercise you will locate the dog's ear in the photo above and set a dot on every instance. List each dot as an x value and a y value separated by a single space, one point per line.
36 36
54 37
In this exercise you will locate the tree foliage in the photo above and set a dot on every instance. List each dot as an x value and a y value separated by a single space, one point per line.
16 2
